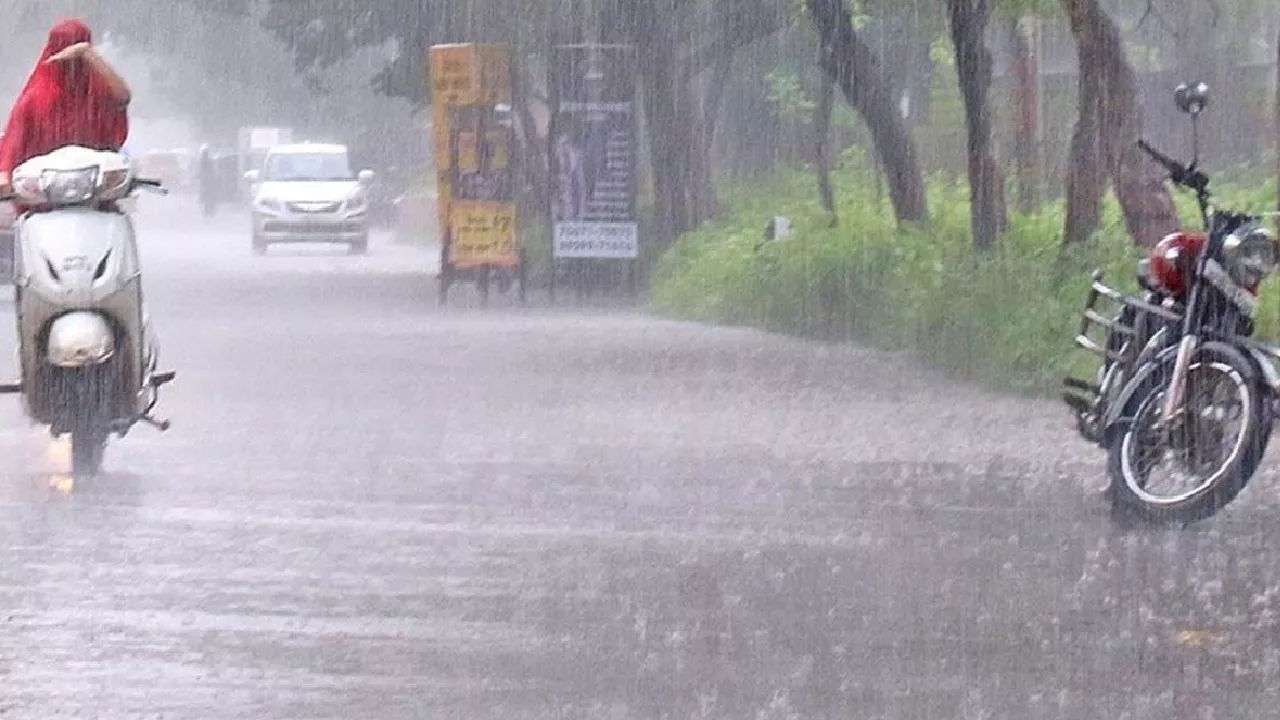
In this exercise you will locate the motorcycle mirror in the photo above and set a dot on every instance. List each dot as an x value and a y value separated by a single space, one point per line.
1191 99
366 177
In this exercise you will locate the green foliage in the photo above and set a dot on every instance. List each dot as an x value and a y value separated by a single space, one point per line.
1006 321
787 95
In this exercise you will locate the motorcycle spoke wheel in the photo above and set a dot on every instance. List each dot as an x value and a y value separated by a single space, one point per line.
1168 466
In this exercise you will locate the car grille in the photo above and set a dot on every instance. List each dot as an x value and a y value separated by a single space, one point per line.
313 208
276 226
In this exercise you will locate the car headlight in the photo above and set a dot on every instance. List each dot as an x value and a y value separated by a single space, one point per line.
1251 258
358 202
268 205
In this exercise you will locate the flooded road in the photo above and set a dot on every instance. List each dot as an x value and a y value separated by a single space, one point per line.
373 507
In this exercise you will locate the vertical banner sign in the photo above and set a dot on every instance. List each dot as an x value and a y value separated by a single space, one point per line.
473 154
595 152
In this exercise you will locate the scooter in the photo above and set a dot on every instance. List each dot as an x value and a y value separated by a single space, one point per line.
86 347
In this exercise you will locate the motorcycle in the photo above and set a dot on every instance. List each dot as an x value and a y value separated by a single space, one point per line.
1190 333
87 351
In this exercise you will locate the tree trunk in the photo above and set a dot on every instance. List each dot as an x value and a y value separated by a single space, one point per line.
968 20
530 150
1086 182
1027 115
822 154
1277 129
669 140
706 204
1148 209
852 65
1149 212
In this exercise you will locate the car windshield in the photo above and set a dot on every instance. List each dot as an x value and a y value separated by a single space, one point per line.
300 167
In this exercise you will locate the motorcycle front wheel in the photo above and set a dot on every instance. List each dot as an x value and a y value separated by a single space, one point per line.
1192 469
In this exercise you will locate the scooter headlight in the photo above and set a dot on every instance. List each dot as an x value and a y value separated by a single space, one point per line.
1249 259
69 187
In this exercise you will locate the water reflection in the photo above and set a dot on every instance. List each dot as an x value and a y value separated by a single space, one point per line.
58 459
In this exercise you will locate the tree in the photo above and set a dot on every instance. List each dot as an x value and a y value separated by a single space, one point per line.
855 69
822 154
968 22
1027 121
1106 136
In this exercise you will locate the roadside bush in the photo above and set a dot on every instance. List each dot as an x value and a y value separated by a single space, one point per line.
1005 320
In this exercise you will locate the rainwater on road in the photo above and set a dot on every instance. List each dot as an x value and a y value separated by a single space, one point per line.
373 507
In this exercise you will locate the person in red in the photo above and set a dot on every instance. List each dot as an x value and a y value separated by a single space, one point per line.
73 97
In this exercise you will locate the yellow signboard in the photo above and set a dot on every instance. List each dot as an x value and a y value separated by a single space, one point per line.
473 154
470 74
484 233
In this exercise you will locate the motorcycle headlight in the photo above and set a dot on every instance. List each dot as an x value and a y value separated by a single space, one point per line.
1249 259
68 187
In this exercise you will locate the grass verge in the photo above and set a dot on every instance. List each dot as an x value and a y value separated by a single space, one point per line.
1006 320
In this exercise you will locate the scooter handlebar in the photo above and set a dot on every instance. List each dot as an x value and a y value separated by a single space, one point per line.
154 186
151 185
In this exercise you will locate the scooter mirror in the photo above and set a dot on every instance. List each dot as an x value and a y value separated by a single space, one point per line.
1191 98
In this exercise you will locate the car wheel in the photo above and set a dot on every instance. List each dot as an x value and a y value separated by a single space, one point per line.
259 246
360 247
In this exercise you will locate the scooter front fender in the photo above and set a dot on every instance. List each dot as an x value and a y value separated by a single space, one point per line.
79 339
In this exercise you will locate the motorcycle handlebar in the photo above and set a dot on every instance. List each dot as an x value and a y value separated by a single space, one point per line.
1188 177
1169 163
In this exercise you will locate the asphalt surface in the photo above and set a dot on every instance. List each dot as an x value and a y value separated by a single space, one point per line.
373 507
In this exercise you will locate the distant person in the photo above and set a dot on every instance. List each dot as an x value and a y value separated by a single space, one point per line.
571 203
208 180
72 97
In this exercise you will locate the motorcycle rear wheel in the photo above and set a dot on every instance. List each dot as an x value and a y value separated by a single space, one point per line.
1130 481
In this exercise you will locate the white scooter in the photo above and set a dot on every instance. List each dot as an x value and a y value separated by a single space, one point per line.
86 347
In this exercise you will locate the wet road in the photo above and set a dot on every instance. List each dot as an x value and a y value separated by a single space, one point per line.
372 507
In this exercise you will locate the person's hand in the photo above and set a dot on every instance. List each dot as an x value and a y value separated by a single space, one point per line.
70 53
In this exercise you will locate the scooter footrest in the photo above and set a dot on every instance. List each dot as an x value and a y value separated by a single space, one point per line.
163 378
11 388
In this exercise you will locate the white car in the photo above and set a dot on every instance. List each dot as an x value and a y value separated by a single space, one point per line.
306 193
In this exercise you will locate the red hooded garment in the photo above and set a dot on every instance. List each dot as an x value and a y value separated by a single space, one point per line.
65 103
